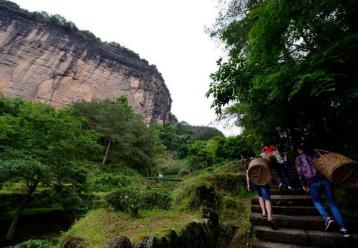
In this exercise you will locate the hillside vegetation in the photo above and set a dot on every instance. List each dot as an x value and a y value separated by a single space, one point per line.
95 171
102 167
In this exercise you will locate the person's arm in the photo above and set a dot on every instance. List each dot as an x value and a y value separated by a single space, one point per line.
247 180
285 158
300 174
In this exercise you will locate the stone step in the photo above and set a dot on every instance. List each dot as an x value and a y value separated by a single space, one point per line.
305 222
305 238
290 177
288 200
294 191
294 184
288 210
257 243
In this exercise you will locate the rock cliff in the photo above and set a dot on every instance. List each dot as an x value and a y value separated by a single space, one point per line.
46 63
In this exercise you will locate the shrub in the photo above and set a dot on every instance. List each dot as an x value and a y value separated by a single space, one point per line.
174 167
226 182
108 182
132 199
156 199
194 193
185 195
126 199
199 155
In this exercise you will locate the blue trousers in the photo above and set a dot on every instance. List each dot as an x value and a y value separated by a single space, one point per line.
283 171
263 191
325 186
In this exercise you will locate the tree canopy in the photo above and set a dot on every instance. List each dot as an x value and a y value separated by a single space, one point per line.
290 73
40 145
123 132
178 138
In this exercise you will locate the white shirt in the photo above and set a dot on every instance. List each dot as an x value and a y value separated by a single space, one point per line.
280 159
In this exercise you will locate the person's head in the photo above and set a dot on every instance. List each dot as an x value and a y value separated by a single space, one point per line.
300 148
280 148
305 148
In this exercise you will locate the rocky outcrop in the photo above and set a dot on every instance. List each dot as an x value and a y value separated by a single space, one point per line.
119 242
45 63
74 242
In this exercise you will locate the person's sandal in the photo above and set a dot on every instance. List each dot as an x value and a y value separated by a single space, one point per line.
280 186
328 224
345 233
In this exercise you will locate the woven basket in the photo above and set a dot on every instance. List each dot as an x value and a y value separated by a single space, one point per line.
259 171
338 168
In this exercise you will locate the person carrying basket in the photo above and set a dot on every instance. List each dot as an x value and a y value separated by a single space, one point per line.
316 183
263 192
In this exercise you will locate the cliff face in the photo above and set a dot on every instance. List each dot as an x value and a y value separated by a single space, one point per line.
44 63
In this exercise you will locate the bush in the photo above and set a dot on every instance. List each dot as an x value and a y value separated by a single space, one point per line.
194 192
199 155
174 167
35 243
75 203
156 199
108 182
226 182
133 199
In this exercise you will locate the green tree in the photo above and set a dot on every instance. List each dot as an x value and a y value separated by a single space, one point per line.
231 148
124 133
169 137
199 155
195 133
178 138
40 145
111 119
291 71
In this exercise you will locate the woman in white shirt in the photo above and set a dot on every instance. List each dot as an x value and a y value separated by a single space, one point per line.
282 167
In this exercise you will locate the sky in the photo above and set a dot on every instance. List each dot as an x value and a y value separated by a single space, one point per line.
168 33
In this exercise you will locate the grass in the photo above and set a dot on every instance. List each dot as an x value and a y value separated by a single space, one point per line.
175 166
241 217
211 177
184 194
106 178
234 207
101 225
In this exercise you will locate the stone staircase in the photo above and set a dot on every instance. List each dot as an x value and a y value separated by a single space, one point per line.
299 224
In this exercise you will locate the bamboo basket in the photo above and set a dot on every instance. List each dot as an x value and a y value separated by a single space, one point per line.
259 171
338 168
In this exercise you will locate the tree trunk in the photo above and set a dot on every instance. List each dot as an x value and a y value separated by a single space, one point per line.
11 232
107 150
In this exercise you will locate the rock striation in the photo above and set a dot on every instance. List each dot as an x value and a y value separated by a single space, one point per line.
45 63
